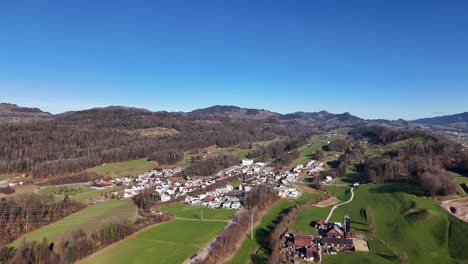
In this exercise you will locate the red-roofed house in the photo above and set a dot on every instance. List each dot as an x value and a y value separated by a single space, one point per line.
303 240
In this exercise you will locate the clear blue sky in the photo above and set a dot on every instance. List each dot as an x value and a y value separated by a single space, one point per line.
374 59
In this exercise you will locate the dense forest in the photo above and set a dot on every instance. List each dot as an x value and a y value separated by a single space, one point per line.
26 213
211 165
427 160
81 140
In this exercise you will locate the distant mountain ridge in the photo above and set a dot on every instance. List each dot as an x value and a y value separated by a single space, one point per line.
456 122
11 113
233 111
322 120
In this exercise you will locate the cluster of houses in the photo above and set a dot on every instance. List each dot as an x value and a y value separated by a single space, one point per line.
312 167
253 173
225 197
331 238
6 184
166 188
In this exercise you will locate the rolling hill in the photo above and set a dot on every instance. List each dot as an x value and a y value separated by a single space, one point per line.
457 122
13 113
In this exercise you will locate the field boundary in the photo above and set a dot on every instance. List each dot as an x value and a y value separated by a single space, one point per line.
120 241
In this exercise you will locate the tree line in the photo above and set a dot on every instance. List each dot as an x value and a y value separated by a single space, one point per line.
88 138
79 245
427 161
29 212
167 156
211 165
260 198
276 149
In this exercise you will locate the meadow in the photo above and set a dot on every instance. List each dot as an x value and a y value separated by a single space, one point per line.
256 250
194 212
90 219
307 151
400 223
62 190
126 168
171 242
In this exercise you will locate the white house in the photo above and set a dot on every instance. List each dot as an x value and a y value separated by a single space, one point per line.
165 197
247 162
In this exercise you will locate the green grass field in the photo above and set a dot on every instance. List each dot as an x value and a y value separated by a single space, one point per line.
171 242
246 252
236 184
79 193
374 150
307 151
351 176
408 226
70 190
93 195
303 223
90 219
214 151
459 179
194 212
126 168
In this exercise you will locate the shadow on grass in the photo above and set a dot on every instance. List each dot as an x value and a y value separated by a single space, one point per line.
333 164
406 185
262 237
389 257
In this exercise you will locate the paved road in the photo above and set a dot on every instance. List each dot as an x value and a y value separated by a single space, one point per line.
336 206
204 253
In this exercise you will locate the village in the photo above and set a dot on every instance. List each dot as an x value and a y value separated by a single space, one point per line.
251 174
330 238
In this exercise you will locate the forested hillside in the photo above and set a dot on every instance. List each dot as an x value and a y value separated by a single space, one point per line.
81 140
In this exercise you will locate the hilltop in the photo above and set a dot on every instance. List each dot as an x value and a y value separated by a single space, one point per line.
457 122
14 113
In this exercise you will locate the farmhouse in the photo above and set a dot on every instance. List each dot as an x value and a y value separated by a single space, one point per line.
303 240
340 244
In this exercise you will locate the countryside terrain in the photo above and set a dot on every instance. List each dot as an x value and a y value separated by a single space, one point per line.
396 210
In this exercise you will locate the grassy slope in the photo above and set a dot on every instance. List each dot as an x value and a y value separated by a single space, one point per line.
171 242
246 252
235 151
405 222
89 219
194 212
82 194
69 190
307 151
375 150
126 168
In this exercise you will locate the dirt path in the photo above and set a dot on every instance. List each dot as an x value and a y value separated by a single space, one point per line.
457 207
336 206
327 202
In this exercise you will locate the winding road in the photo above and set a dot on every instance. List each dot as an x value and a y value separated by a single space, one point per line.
336 206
